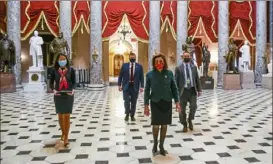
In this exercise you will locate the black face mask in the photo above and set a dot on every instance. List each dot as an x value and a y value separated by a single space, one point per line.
132 60
186 60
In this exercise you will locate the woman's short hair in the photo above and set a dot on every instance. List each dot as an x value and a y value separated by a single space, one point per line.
160 55
56 64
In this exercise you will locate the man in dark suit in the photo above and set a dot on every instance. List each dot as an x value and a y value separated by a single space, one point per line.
130 81
188 83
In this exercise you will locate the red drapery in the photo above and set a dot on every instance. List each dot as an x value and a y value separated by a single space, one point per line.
243 15
3 16
137 13
168 13
80 15
207 12
33 12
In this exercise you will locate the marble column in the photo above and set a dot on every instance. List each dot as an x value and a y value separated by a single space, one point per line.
260 40
14 33
223 36
270 23
96 82
182 28
65 23
154 34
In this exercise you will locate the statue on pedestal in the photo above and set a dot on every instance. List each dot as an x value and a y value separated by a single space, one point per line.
231 56
206 60
190 48
7 54
36 50
59 45
245 59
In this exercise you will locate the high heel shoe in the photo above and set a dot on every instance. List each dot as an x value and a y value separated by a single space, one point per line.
154 148
66 143
162 150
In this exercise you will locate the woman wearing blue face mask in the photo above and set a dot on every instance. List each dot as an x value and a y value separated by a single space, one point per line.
63 83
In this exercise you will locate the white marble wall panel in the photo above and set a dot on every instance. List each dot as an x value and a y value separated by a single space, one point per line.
65 23
154 35
96 41
14 33
260 40
182 28
223 36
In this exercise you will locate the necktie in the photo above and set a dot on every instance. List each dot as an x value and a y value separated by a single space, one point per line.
188 76
132 73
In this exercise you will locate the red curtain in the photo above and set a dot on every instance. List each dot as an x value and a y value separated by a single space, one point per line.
136 11
3 16
168 15
80 15
198 50
32 13
207 11
245 14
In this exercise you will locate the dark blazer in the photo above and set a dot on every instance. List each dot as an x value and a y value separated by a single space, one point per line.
180 78
55 79
160 85
124 77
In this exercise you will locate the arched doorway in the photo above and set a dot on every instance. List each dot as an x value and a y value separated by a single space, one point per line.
118 61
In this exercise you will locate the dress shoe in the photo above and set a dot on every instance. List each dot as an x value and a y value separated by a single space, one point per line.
185 129
126 118
190 126
133 119
162 150
155 147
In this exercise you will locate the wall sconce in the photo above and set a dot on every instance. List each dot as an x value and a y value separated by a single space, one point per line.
95 55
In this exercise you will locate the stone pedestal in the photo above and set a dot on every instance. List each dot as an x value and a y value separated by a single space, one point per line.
207 82
247 80
7 83
232 81
95 87
267 79
36 81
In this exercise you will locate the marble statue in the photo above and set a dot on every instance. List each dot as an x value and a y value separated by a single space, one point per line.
206 60
245 59
59 45
190 48
231 57
7 54
36 50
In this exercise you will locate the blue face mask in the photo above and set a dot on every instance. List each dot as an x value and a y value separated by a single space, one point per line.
62 63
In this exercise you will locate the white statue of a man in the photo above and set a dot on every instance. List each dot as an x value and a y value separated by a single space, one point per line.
36 50
245 59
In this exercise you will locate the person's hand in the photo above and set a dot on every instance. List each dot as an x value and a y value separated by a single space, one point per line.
141 90
72 92
178 108
146 110
120 88
199 94
55 92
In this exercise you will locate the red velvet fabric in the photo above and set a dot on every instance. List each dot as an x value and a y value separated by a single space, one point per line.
3 16
80 9
245 12
31 12
169 10
136 11
208 12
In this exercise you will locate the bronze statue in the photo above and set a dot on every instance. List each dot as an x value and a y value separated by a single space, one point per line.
190 48
7 54
231 56
206 60
59 45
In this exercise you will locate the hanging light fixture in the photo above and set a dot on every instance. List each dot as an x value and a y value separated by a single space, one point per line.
124 29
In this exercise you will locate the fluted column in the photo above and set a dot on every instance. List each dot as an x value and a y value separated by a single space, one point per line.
182 28
65 23
96 43
14 33
154 34
223 36
260 40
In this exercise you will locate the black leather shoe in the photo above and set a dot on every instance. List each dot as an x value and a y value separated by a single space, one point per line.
154 148
133 119
126 118
190 126
162 150
185 129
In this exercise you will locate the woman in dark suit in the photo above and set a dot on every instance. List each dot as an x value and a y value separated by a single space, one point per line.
159 91
63 83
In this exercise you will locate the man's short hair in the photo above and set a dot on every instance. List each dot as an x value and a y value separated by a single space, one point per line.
132 53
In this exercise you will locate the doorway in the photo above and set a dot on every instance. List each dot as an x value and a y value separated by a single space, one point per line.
118 61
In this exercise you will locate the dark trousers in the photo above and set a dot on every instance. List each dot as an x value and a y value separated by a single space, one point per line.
130 99
189 95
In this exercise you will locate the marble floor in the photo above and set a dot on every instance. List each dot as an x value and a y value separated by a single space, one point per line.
231 127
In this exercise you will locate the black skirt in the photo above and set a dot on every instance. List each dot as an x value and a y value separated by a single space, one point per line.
161 112
63 103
